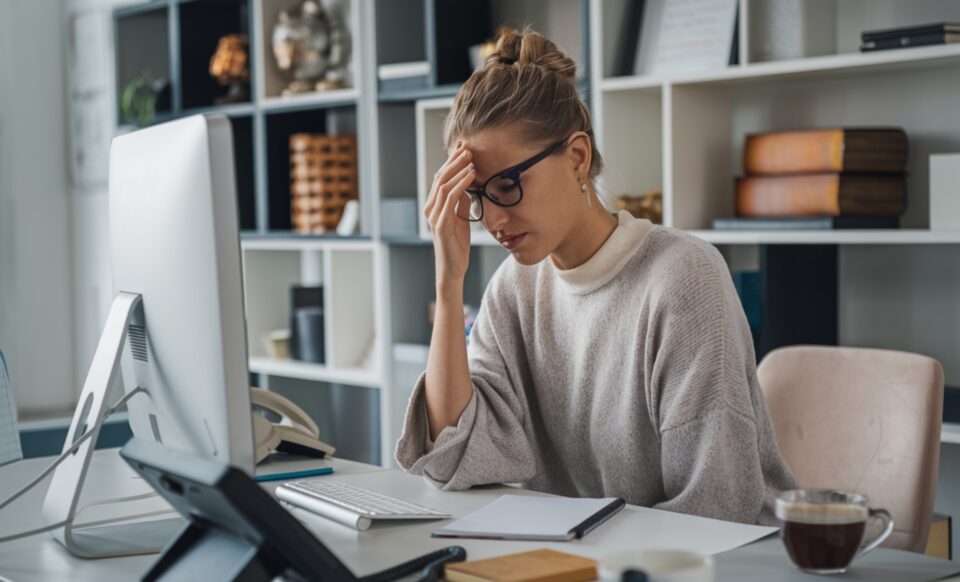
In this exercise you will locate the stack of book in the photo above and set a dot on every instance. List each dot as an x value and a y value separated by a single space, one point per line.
323 178
908 36
821 179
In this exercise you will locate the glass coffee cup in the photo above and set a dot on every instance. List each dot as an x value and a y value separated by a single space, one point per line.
823 530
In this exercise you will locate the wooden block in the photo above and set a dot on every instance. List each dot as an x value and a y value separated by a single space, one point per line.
940 542
536 566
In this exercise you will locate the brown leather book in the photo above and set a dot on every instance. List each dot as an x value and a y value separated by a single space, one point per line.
822 195
536 566
826 150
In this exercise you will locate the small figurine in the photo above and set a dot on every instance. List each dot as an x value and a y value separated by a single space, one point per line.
312 48
229 66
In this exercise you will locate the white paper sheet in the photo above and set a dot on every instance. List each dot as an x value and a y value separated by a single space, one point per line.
636 528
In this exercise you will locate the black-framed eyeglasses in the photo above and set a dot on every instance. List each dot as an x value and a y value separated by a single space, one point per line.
503 188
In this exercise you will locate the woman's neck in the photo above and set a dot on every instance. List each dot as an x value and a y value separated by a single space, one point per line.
586 238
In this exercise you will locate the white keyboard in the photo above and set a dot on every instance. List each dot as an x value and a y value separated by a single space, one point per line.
350 505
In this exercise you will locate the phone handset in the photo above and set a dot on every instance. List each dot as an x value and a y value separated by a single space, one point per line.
281 425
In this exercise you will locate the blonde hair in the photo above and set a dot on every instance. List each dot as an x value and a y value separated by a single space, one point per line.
527 82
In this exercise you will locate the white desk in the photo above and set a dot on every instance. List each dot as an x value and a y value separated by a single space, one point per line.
41 558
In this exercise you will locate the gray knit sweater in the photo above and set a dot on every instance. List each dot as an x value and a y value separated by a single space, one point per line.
632 375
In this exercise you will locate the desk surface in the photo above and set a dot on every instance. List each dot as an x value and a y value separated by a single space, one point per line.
42 558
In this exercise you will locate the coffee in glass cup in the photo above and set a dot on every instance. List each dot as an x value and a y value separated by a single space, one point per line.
823 530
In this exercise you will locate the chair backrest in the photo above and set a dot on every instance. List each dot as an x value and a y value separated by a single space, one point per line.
862 420
9 435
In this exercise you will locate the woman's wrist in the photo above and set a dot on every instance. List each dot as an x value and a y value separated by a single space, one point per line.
449 288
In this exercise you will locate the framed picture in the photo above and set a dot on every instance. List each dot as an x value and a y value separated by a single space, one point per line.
683 36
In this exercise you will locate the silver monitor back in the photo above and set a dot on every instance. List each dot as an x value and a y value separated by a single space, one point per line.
179 305
174 240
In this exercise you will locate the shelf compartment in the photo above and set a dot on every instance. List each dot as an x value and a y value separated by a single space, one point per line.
346 273
709 124
401 31
279 128
398 150
630 134
268 276
348 416
142 38
271 81
455 27
202 24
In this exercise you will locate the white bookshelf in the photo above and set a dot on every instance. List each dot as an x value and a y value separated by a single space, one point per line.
683 133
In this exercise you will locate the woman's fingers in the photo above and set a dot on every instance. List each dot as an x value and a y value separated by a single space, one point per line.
457 194
450 168
445 191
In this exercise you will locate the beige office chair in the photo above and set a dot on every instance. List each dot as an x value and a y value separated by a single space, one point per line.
863 420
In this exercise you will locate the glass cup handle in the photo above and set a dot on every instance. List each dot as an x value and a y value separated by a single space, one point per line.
883 516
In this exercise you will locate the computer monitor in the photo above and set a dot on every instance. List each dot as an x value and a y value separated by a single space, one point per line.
177 274
174 241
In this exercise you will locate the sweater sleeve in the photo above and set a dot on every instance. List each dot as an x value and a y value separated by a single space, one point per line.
488 444
703 378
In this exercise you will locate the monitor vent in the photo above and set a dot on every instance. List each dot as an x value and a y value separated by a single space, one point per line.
137 336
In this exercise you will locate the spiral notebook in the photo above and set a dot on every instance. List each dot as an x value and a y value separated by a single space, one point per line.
519 517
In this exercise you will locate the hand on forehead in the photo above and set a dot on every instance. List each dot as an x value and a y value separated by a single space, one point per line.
495 150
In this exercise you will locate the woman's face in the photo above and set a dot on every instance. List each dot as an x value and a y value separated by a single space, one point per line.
552 200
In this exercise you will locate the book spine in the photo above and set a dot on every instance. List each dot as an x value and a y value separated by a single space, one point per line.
813 223
907 31
794 152
904 42
821 195
812 195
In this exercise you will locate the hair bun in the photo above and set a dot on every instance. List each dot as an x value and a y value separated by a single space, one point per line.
528 47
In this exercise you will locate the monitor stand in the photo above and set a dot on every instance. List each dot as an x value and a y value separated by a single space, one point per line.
111 537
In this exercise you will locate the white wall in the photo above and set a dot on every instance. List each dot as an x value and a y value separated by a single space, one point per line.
91 111
36 327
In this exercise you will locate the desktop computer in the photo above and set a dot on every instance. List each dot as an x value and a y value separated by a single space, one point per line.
177 327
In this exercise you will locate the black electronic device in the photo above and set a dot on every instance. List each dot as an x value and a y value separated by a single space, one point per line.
237 531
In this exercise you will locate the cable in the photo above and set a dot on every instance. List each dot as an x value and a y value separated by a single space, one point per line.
76 445
32 532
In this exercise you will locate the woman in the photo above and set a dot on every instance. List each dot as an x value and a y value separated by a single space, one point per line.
610 357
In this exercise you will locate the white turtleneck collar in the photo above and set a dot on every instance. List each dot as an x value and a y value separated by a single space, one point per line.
609 259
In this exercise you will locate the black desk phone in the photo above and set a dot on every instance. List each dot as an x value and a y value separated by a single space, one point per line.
237 531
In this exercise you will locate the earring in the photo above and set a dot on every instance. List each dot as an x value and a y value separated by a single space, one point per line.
583 188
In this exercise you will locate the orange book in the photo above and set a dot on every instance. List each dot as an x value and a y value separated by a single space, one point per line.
826 150
536 566
822 195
